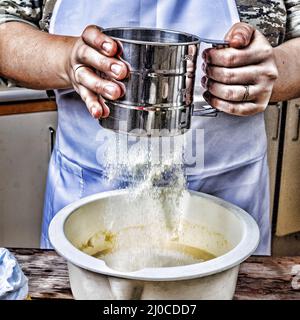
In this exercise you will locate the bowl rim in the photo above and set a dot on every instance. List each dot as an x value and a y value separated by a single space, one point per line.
232 258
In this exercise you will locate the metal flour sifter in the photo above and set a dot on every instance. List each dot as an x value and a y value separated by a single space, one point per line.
159 90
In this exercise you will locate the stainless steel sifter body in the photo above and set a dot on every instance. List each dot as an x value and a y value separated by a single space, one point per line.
158 98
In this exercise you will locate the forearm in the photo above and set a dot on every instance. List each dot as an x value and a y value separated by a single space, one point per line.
287 85
32 58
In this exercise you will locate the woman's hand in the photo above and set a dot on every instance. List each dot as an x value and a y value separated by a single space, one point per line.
239 79
92 52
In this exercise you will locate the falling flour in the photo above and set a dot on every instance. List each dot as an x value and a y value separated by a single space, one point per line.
147 234
152 167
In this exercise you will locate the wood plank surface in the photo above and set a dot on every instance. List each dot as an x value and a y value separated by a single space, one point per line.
47 273
259 277
269 278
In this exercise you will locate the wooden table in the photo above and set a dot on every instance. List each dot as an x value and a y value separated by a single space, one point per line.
259 277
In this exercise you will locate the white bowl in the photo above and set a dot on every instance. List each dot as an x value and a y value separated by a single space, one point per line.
217 226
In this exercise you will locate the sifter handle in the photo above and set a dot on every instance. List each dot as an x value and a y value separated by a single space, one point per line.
219 44
202 109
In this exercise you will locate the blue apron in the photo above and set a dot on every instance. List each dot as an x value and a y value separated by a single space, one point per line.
235 164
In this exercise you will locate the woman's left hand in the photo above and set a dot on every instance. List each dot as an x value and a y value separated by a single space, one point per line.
239 79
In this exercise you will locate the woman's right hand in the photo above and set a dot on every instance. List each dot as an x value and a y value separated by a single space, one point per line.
92 52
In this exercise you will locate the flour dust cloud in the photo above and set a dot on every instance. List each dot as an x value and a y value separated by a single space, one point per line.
144 230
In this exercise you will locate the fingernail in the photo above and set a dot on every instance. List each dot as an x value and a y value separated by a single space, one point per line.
95 112
203 67
206 95
116 69
239 37
107 46
111 90
206 57
105 111
204 81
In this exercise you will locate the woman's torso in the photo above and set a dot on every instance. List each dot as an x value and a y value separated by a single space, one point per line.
229 141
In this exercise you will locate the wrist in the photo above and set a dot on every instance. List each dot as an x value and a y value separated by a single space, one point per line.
64 69
279 58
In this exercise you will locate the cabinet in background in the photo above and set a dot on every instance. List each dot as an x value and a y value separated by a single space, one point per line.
288 216
26 138
282 123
